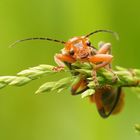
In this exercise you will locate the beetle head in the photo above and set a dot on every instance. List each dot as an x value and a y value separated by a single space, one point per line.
78 47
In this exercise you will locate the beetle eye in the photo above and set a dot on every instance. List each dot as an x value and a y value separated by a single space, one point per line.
71 52
88 43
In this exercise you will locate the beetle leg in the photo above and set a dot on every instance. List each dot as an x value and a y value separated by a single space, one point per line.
115 77
94 75
79 87
104 48
65 58
103 60
100 44
60 59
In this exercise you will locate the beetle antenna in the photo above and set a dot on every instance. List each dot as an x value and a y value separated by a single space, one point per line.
107 31
37 38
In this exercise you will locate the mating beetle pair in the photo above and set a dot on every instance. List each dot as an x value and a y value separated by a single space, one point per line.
109 100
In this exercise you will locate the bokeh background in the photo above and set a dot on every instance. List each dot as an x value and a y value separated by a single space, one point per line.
51 116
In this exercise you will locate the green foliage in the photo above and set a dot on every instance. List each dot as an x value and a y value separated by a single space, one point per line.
125 78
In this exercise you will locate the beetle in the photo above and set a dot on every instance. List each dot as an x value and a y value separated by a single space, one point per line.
80 49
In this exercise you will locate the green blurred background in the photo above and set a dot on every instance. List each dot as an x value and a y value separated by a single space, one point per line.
51 116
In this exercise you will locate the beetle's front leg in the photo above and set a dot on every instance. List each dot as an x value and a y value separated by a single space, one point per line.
105 48
101 60
60 59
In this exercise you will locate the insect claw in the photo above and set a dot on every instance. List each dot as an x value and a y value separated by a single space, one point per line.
58 69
